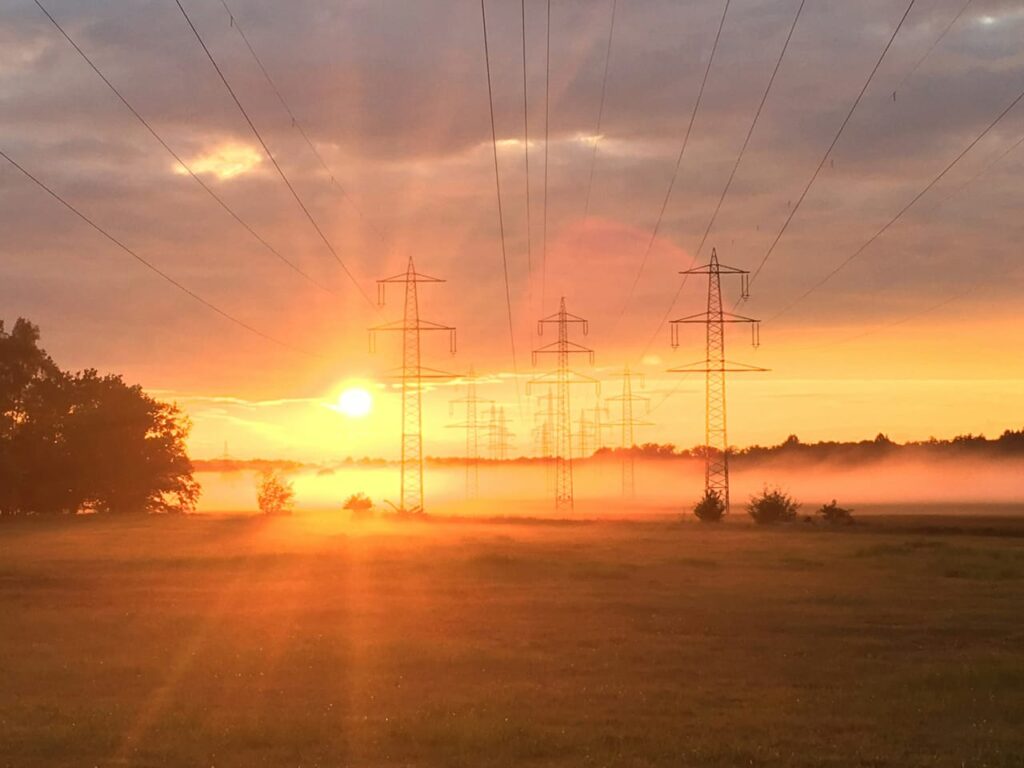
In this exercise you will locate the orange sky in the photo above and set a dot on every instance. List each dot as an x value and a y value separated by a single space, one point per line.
916 337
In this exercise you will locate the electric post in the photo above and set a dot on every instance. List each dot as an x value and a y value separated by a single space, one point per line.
473 428
715 366
412 375
562 379
628 422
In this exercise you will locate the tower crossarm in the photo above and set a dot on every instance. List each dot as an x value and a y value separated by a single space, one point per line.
420 326
560 318
704 317
563 347
707 269
572 377
710 366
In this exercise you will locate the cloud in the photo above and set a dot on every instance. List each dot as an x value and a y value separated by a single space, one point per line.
394 97
225 161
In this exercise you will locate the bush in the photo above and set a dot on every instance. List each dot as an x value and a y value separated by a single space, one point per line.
711 507
275 495
833 513
772 506
360 505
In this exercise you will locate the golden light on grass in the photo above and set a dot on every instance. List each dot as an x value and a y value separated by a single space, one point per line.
225 161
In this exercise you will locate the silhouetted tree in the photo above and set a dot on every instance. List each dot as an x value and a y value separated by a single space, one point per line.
275 495
84 442
772 506
833 513
711 507
360 505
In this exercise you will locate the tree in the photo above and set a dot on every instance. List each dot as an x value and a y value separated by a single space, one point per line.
84 442
711 507
833 513
275 495
772 506
359 504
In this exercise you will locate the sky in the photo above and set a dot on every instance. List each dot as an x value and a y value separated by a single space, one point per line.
918 335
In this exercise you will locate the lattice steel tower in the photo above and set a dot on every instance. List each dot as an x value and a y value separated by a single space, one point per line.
412 376
584 431
715 366
473 427
593 424
499 436
628 422
562 378
544 431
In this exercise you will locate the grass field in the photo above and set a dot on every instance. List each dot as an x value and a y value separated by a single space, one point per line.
309 642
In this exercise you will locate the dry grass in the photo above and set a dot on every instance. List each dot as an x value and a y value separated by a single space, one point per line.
167 642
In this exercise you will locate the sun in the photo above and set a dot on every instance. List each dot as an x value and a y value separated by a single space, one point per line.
355 403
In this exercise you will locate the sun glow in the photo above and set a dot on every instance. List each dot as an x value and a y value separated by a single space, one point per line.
355 403
225 161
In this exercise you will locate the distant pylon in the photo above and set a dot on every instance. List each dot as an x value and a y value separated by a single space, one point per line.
592 425
715 366
544 431
544 434
499 436
628 423
583 432
473 427
562 378
412 375
600 421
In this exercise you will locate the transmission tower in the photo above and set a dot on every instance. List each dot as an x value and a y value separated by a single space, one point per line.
600 422
583 432
412 375
592 426
562 379
715 366
628 422
544 431
473 427
544 434
499 436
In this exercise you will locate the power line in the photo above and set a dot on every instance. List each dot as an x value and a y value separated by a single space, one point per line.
220 201
732 174
297 124
148 264
949 299
679 160
270 154
526 152
902 211
501 215
831 146
753 125
600 110
932 47
547 121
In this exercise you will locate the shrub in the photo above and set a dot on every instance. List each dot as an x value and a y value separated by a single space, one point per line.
833 513
359 504
275 495
711 507
772 506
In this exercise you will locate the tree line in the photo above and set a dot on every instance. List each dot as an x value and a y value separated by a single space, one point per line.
1009 444
75 442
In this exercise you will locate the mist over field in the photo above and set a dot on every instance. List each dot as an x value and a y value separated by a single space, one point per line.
663 485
